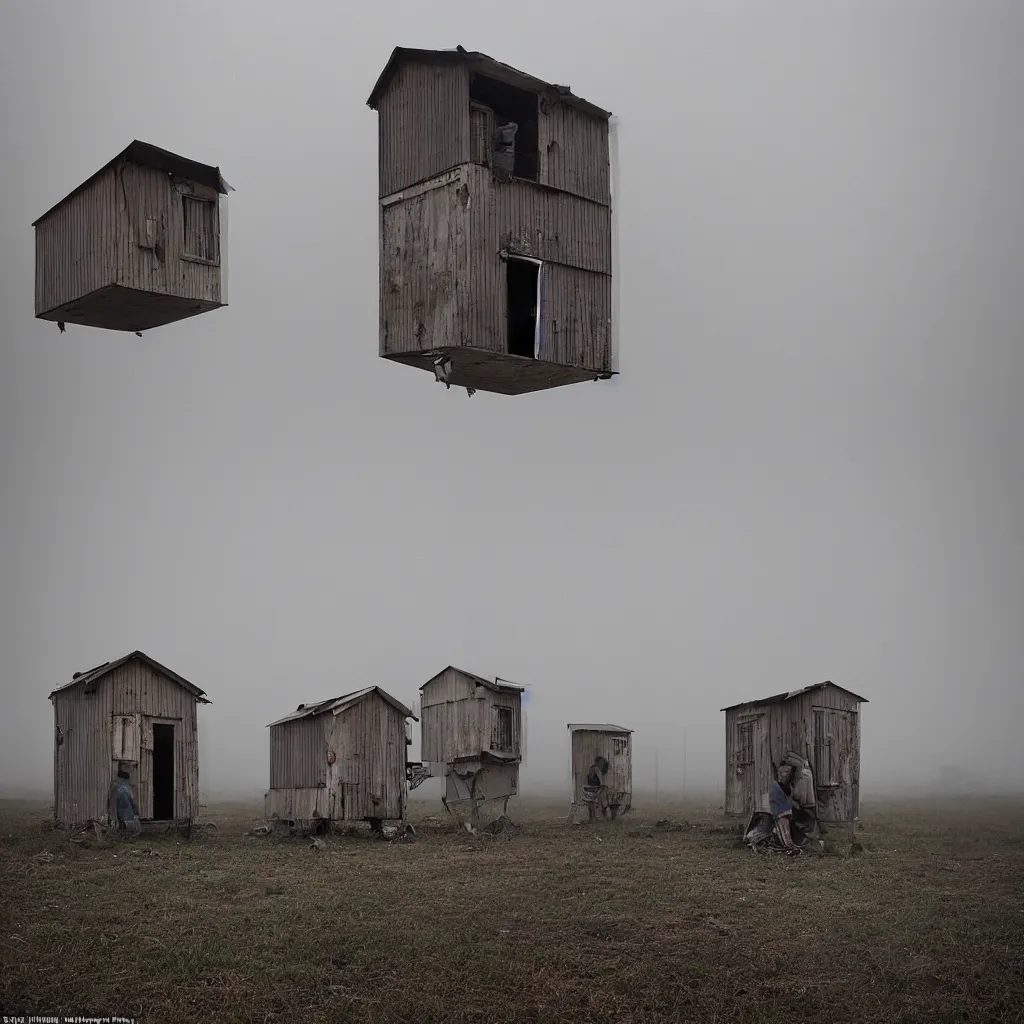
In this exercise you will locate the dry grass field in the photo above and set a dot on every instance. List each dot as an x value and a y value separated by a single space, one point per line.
616 922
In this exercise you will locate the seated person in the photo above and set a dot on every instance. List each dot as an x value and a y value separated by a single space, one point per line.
594 792
782 804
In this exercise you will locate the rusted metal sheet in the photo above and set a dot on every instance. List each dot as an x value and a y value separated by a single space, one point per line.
423 124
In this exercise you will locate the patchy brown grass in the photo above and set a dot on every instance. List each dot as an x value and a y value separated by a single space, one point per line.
611 922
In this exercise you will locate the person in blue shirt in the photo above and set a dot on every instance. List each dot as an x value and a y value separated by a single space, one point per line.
124 811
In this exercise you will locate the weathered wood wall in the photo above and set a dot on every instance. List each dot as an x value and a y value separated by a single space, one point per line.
422 125
126 228
585 746
367 779
822 725
84 766
574 152
458 719
443 282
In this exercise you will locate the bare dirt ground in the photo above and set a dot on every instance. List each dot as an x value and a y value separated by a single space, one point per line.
619 922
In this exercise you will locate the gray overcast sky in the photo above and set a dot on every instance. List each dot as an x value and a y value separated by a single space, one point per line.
810 467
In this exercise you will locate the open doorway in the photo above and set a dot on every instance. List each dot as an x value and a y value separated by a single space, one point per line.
163 772
522 304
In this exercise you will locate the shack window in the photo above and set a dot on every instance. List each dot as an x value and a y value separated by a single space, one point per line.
199 218
501 738
516 106
125 737
481 134
745 745
824 767
620 745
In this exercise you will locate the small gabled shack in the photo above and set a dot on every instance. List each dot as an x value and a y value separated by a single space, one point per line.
137 245
820 725
614 744
135 714
342 759
472 734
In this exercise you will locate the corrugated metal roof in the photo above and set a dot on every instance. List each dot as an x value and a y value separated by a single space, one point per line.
478 62
337 705
147 155
93 675
577 727
497 687
791 694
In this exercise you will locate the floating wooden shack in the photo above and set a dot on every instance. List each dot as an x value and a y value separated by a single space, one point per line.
472 735
133 714
819 726
497 236
342 759
138 245
615 744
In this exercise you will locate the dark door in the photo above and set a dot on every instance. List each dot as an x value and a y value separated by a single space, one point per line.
163 772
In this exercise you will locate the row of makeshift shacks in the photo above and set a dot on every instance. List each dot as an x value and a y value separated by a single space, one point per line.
346 759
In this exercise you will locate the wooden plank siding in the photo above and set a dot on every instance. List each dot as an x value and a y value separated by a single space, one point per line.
127 229
423 124
574 154
367 778
298 753
83 764
585 746
822 725
458 719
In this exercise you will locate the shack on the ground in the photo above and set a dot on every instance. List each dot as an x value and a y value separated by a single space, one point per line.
139 244
342 759
135 714
472 735
615 744
819 725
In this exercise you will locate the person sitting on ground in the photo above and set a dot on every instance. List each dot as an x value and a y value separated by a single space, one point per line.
124 811
782 804
594 792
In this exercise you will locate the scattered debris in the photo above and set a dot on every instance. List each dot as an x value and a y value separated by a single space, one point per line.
317 843
398 833
45 857
670 826
144 851
262 830
502 825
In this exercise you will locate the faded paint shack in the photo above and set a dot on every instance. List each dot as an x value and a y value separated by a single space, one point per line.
340 760
821 724
105 718
615 744
136 246
449 223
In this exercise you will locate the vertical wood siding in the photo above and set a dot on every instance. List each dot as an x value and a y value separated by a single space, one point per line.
77 245
585 746
424 269
574 152
298 753
771 730
84 764
423 125
126 228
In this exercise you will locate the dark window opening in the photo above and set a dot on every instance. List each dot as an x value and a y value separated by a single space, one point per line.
745 751
516 106
163 772
501 738
481 134
522 277
199 217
